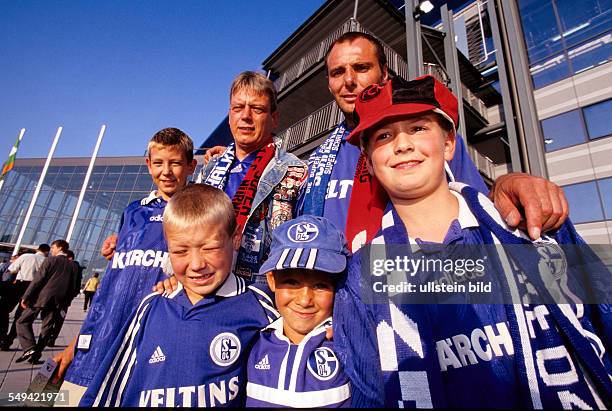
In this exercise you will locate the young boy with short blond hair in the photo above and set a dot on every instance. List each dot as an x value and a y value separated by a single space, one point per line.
188 349
138 262
293 364
519 352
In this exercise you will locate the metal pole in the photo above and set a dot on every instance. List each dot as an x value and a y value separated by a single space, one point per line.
85 182
37 191
355 10
414 47
527 114
515 155
13 152
452 62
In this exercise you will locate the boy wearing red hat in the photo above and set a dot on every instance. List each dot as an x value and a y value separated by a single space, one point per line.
501 354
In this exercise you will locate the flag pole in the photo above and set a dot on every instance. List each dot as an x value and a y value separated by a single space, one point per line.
37 191
11 158
85 182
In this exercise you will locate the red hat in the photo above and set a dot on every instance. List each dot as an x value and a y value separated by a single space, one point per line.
398 97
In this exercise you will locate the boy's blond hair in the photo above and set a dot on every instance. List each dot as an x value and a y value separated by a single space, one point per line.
256 82
197 205
172 137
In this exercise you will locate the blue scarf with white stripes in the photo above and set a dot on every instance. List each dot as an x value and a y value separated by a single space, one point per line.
558 361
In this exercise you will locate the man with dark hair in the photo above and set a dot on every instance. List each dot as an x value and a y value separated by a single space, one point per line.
49 293
356 60
76 287
24 268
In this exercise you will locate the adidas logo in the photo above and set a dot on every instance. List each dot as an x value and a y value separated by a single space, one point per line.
264 364
158 217
158 356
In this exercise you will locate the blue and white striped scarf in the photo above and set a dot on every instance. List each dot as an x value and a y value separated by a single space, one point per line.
407 346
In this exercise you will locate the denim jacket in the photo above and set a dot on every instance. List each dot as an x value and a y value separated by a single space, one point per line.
275 199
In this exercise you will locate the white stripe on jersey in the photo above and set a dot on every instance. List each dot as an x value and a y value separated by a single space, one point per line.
261 294
127 338
126 377
271 309
125 357
313 399
298 359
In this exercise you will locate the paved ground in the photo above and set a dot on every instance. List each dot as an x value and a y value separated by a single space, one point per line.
15 378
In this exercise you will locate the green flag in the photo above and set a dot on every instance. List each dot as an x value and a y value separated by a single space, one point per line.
10 163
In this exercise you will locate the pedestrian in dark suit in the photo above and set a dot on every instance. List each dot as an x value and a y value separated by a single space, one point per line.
76 289
49 293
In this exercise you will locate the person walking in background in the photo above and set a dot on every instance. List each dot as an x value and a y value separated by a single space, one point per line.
4 267
90 289
49 293
75 290
25 267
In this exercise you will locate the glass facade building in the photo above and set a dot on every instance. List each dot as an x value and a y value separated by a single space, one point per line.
114 183
569 45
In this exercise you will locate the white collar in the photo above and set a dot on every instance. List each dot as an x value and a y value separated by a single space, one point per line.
466 218
231 287
278 328
150 198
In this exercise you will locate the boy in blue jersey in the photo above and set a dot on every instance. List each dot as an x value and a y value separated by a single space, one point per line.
190 348
399 354
137 264
292 364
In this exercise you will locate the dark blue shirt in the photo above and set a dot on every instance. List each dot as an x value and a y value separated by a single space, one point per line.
237 173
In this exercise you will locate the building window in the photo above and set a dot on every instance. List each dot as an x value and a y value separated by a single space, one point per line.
597 118
584 202
563 131
605 189
565 37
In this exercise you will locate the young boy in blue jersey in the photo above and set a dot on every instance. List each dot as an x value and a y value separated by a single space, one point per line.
188 349
398 354
292 364
137 264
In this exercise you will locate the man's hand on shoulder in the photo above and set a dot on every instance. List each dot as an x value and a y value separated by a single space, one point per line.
212 152
531 203
108 247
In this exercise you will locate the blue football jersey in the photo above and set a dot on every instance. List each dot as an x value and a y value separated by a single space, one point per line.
137 265
173 353
304 375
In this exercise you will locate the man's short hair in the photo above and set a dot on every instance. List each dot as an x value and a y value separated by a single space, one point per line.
351 36
198 205
172 137
61 244
70 254
44 247
257 83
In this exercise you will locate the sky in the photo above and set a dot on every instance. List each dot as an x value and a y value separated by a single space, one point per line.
137 66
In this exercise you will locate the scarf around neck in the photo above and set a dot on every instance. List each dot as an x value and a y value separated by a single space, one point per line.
245 194
537 387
